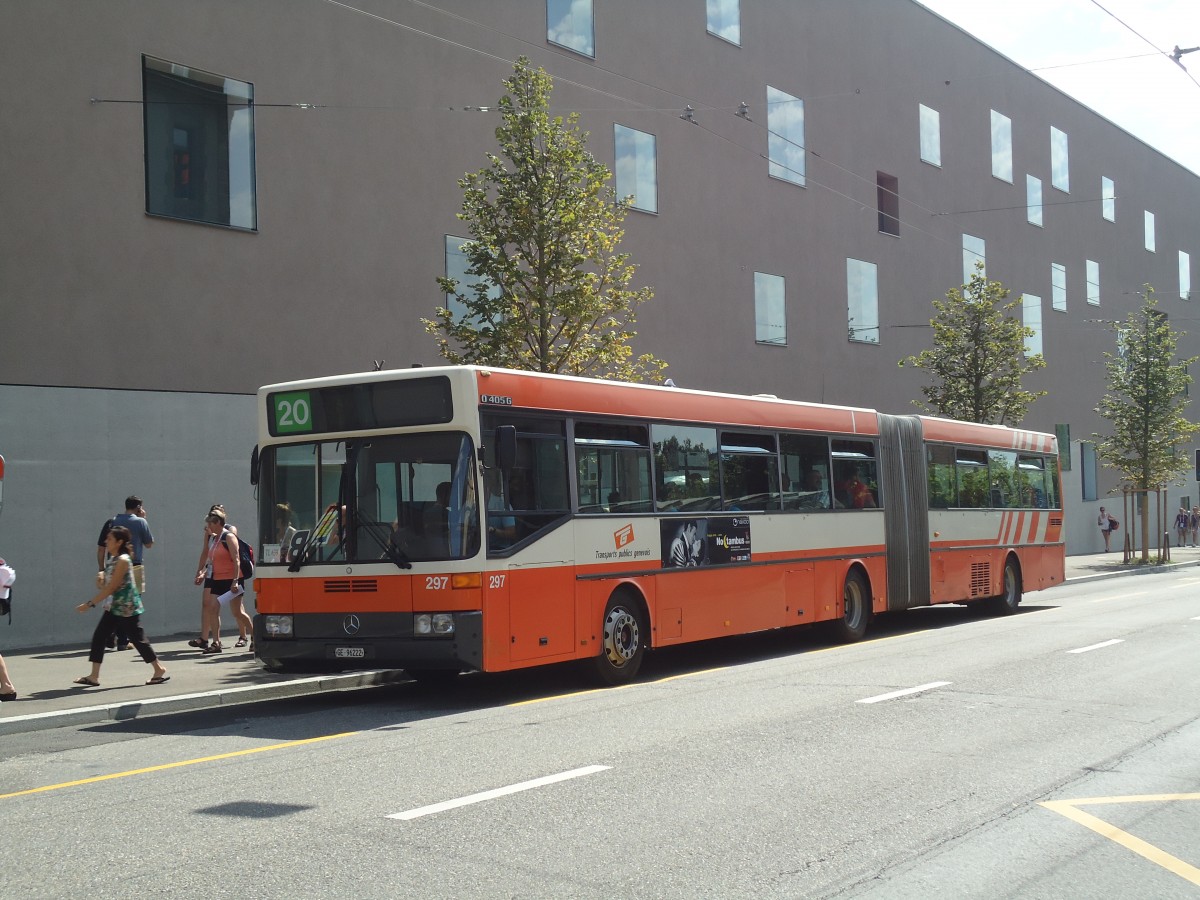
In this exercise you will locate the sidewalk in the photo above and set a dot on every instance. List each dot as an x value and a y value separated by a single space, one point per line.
48 699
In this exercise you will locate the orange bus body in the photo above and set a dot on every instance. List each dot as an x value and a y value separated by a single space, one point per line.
546 599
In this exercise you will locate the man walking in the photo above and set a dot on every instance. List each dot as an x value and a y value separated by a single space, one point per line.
134 518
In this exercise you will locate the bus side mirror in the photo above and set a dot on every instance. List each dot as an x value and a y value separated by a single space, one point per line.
506 447
254 466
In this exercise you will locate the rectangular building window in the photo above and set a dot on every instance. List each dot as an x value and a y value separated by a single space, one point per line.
887 190
1060 169
1087 469
1093 282
637 161
1063 433
1150 231
862 300
785 136
931 136
1185 276
456 268
1058 287
569 24
1031 316
725 20
1108 198
1002 147
1033 200
770 319
199 145
974 251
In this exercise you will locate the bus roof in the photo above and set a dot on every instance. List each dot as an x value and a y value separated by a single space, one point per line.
508 388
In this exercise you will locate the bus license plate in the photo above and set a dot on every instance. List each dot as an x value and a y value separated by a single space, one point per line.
349 652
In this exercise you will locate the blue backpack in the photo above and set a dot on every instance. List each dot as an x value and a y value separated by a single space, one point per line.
245 557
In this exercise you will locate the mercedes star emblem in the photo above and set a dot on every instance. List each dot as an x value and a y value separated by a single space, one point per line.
350 625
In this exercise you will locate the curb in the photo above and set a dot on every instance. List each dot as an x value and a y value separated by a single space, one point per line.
135 709
1122 572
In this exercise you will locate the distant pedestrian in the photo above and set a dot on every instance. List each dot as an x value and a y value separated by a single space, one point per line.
1183 526
8 691
1107 526
126 605
220 572
133 518
1194 523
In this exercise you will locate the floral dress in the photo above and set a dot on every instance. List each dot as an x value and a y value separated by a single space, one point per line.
126 601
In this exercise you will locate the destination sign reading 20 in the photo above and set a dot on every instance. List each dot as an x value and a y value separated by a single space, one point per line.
293 413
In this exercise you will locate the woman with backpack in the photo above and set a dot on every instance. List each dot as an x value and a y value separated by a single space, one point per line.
221 574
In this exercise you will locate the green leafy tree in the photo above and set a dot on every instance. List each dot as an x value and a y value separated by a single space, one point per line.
1147 394
978 356
550 291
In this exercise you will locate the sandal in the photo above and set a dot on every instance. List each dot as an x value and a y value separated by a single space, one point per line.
86 682
241 642
214 647
197 642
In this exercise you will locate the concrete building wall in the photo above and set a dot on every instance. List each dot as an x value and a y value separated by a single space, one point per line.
72 457
364 123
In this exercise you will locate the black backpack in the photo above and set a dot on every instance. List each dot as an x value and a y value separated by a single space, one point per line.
6 606
245 557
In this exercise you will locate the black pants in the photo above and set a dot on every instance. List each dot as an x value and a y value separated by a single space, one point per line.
131 626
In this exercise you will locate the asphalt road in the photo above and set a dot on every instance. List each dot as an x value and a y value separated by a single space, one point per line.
1054 753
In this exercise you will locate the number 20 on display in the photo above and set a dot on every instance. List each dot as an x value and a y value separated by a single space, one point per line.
293 413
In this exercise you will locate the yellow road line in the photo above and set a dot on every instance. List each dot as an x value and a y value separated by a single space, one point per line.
176 765
1068 808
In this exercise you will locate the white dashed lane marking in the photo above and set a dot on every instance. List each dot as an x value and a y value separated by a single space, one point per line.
1097 646
904 693
498 792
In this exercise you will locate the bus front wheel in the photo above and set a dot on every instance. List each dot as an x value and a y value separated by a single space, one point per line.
856 608
623 643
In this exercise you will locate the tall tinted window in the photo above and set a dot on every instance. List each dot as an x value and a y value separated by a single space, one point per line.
1031 315
637 174
1060 175
931 135
770 323
456 268
1185 276
974 252
199 134
1150 231
887 190
862 300
1058 287
1033 200
725 20
1108 198
1093 282
569 24
785 136
1002 146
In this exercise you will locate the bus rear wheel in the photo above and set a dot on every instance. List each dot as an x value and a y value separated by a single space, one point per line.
856 609
1006 604
622 645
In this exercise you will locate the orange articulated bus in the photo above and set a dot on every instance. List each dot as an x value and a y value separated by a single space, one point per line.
443 520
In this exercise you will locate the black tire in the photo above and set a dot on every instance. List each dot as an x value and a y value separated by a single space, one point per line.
623 642
1010 598
856 609
433 677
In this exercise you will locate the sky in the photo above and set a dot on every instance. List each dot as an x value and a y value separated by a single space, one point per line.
1082 48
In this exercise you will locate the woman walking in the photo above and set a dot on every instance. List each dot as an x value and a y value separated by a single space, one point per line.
124 609
220 573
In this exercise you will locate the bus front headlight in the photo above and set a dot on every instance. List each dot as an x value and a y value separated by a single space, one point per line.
277 626
426 624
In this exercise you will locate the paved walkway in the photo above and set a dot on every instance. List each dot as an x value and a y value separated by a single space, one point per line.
47 699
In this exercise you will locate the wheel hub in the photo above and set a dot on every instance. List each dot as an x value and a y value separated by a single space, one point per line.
621 636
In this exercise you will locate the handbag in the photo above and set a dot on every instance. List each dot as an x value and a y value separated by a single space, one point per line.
1113 524
139 578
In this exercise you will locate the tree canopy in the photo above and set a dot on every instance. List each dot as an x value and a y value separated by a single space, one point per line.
548 289
978 358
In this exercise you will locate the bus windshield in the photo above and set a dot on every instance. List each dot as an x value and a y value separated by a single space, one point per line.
396 498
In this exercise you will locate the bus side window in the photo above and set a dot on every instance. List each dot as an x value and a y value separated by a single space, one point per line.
940 465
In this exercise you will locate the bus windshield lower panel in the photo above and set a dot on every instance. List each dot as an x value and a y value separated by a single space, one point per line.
399 498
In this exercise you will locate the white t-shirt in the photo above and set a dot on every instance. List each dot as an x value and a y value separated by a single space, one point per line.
7 577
